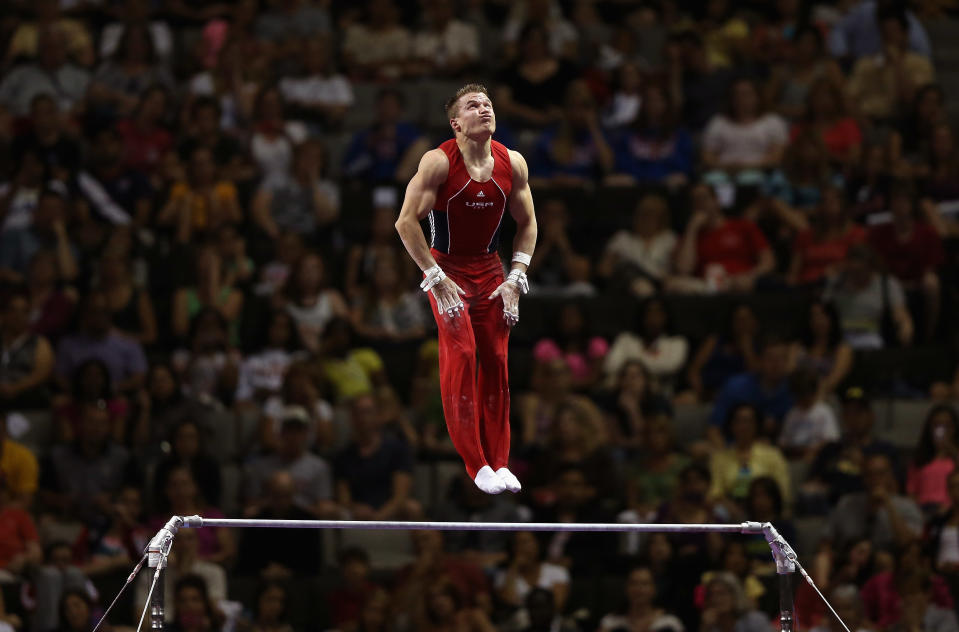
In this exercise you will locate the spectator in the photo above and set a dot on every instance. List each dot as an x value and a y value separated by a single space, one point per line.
389 311
50 74
287 250
145 137
76 611
296 18
47 231
96 338
26 359
582 352
194 605
446 47
810 423
80 477
378 47
21 545
210 290
878 513
117 192
91 386
868 184
208 366
320 95
203 130
349 371
552 390
310 302
121 544
696 85
725 354
301 388
890 596
655 147
807 65
136 12
820 249
882 84
356 590
530 92
641 611
525 570
543 615
792 192
187 450
865 299
48 135
848 604
934 460
825 116
627 98
433 565
441 608
726 607
822 349
231 84
719 253
765 388
131 306
304 203
282 493
642 257
911 251
269 614
555 262
939 186
746 458
311 477
662 352
725 34
134 68
26 42
561 36
745 139
274 138
162 409
388 150
655 482
362 258
374 472
181 497
912 139
633 400
201 204
575 151
262 373
940 533
859 32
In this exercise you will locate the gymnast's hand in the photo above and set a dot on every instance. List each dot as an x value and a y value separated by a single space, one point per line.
447 294
509 291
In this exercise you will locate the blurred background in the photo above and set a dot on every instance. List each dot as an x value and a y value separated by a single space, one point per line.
744 306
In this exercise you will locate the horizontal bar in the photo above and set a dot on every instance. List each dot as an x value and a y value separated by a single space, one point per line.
194 522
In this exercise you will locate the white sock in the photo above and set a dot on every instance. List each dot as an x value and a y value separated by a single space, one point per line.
487 480
511 482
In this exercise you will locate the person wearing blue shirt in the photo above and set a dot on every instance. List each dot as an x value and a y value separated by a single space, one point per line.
767 389
857 33
389 149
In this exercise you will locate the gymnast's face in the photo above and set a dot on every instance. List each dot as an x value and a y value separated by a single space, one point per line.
474 115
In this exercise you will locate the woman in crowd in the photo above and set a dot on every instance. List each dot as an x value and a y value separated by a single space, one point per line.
826 118
262 372
725 354
726 607
26 358
131 70
641 258
628 407
661 351
269 613
91 385
132 307
526 570
195 611
792 81
187 450
310 302
209 290
818 250
650 485
641 613
822 349
389 311
200 203
441 609
934 460
182 497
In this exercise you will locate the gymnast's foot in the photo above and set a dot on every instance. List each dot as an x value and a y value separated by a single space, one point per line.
511 482
487 480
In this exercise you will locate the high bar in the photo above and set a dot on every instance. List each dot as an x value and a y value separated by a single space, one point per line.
195 522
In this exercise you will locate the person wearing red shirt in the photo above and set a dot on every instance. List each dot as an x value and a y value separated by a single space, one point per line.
719 253
19 543
145 140
818 249
911 251
826 117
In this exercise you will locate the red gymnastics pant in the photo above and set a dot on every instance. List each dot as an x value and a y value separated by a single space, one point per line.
475 393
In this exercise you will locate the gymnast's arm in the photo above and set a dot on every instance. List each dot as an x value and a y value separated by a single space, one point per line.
521 208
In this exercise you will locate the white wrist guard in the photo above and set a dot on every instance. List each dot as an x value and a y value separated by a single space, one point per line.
519 279
521 257
433 276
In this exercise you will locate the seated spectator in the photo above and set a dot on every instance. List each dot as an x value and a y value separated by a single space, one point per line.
445 46
722 355
145 137
378 47
573 343
811 422
49 135
131 305
21 545
274 138
202 203
865 299
27 358
911 251
654 147
194 605
934 460
432 565
529 92
162 409
373 472
575 151
91 386
25 41
765 387
561 36
718 253
309 300
129 72
641 609
96 338
269 613
389 310
204 130
348 370
623 107
426 403
356 590
46 230
790 194
655 482
230 83
633 400
312 479
208 366
726 607
909 594
283 492
542 614
820 249
847 602
746 458
123 541
697 84
525 571
691 504
821 348
304 202
746 140
137 12
301 388
939 177
51 73
273 275
115 191
279 21
76 611
793 77
868 183
390 149
186 449
555 262
825 117
319 95
19 469
209 290
662 353
551 391
440 607
642 258
262 372
181 497
882 84
381 242
80 477
912 139
51 303
765 503
878 513
725 33
858 33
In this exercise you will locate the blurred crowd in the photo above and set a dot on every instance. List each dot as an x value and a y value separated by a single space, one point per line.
206 310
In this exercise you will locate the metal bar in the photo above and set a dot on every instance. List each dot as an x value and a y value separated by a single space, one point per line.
194 522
